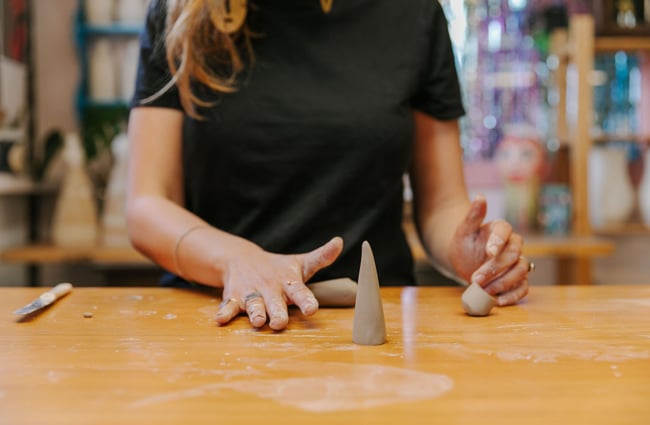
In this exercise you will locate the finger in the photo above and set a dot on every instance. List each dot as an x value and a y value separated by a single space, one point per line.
496 266
255 309
508 280
229 309
278 315
302 297
500 232
513 296
321 257
474 218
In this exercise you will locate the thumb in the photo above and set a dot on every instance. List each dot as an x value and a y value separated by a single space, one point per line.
321 257
474 218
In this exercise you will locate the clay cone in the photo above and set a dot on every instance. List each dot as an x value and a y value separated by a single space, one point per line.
369 327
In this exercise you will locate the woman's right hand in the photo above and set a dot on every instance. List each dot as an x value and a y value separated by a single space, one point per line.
263 284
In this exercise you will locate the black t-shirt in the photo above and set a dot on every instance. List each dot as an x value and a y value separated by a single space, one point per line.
317 138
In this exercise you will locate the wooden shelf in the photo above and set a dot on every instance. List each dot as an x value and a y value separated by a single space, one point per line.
11 185
567 246
11 134
48 254
628 43
620 138
625 229
538 245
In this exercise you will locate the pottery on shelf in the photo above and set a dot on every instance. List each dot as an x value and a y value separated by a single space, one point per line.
102 83
74 221
611 192
99 12
113 219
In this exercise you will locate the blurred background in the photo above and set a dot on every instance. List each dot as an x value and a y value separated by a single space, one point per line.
555 135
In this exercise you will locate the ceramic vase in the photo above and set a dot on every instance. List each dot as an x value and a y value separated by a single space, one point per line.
130 12
101 76
611 192
114 230
74 222
99 12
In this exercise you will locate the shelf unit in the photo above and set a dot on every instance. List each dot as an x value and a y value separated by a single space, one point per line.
637 40
100 119
584 44
605 16
605 44
574 252
48 254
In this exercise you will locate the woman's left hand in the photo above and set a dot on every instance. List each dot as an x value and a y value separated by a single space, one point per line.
489 254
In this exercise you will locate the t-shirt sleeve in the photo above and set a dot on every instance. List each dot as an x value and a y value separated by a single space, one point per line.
153 86
439 92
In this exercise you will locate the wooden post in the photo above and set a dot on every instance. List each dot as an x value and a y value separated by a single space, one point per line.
582 35
582 52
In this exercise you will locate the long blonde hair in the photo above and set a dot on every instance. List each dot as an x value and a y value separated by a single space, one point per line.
194 45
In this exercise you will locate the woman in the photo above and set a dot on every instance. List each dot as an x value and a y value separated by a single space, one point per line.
253 145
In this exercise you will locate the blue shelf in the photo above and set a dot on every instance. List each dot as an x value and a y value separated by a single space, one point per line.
111 30
98 120
83 36
106 104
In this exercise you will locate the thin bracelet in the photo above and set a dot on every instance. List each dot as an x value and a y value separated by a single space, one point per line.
177 266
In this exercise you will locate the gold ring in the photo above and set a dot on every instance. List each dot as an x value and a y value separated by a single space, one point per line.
226 301
531 265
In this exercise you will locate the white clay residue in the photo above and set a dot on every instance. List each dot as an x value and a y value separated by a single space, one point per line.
210 311
580 350
55 377
324 387
617 373
638 302
363 387
169 316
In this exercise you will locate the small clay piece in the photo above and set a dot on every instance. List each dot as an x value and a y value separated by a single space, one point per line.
88 315
369 327
476 301
335 292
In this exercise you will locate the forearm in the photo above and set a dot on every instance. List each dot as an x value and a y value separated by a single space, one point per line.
181 242
440 196
437 228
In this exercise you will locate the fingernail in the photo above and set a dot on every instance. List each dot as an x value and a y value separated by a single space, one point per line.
493 245
478 278
309 307
278 316
278 322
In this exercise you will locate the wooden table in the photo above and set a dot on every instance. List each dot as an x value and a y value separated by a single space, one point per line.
569 355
